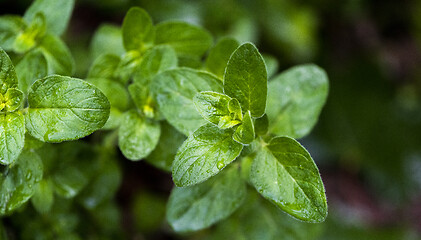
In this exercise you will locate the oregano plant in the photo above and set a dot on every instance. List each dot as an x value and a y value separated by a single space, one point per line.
214 116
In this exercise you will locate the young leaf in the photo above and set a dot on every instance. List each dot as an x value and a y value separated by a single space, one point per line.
155 61
31 35
59 58
57 14
143 100
204 154
137 136
107 40
43 197
175 90
186 39
18 182
246 79
214 108
64 108
245 132
13 99
219 55
295 100
261 125
10 27
104 66
12 136
137 30
33 66
164 153
284 173
198 207
8 78
130 61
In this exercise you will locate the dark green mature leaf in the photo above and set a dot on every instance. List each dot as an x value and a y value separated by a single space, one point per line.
137 30
107 40
12 136
200 206
186 39
204 154
18 182
246 79
137 136
43 198
64 108
104 66
57 14
295 100
284 173
69 181
59 58
244 133
214 107
175 90
10 27
33 66
155 61
13 100
219 55
169 142
114 91
8 78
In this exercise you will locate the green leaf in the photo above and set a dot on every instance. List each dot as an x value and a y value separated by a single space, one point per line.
137 136
107 40
114 120
13 99
186 39
245 132
18 182
104 66
219 55
12 136
295 100
10 27
284 173
204 154
169 142
214 107
148 210
246 79
69 181
137 30
8 78
33 66
57 14
59 58
175 90
200 206
261 125
30 36
43 198
155 61
272 64
64 108
114 91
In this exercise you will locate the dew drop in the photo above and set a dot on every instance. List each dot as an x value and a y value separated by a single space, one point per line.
220 165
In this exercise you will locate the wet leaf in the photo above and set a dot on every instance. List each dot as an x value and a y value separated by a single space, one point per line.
244 133
12 136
